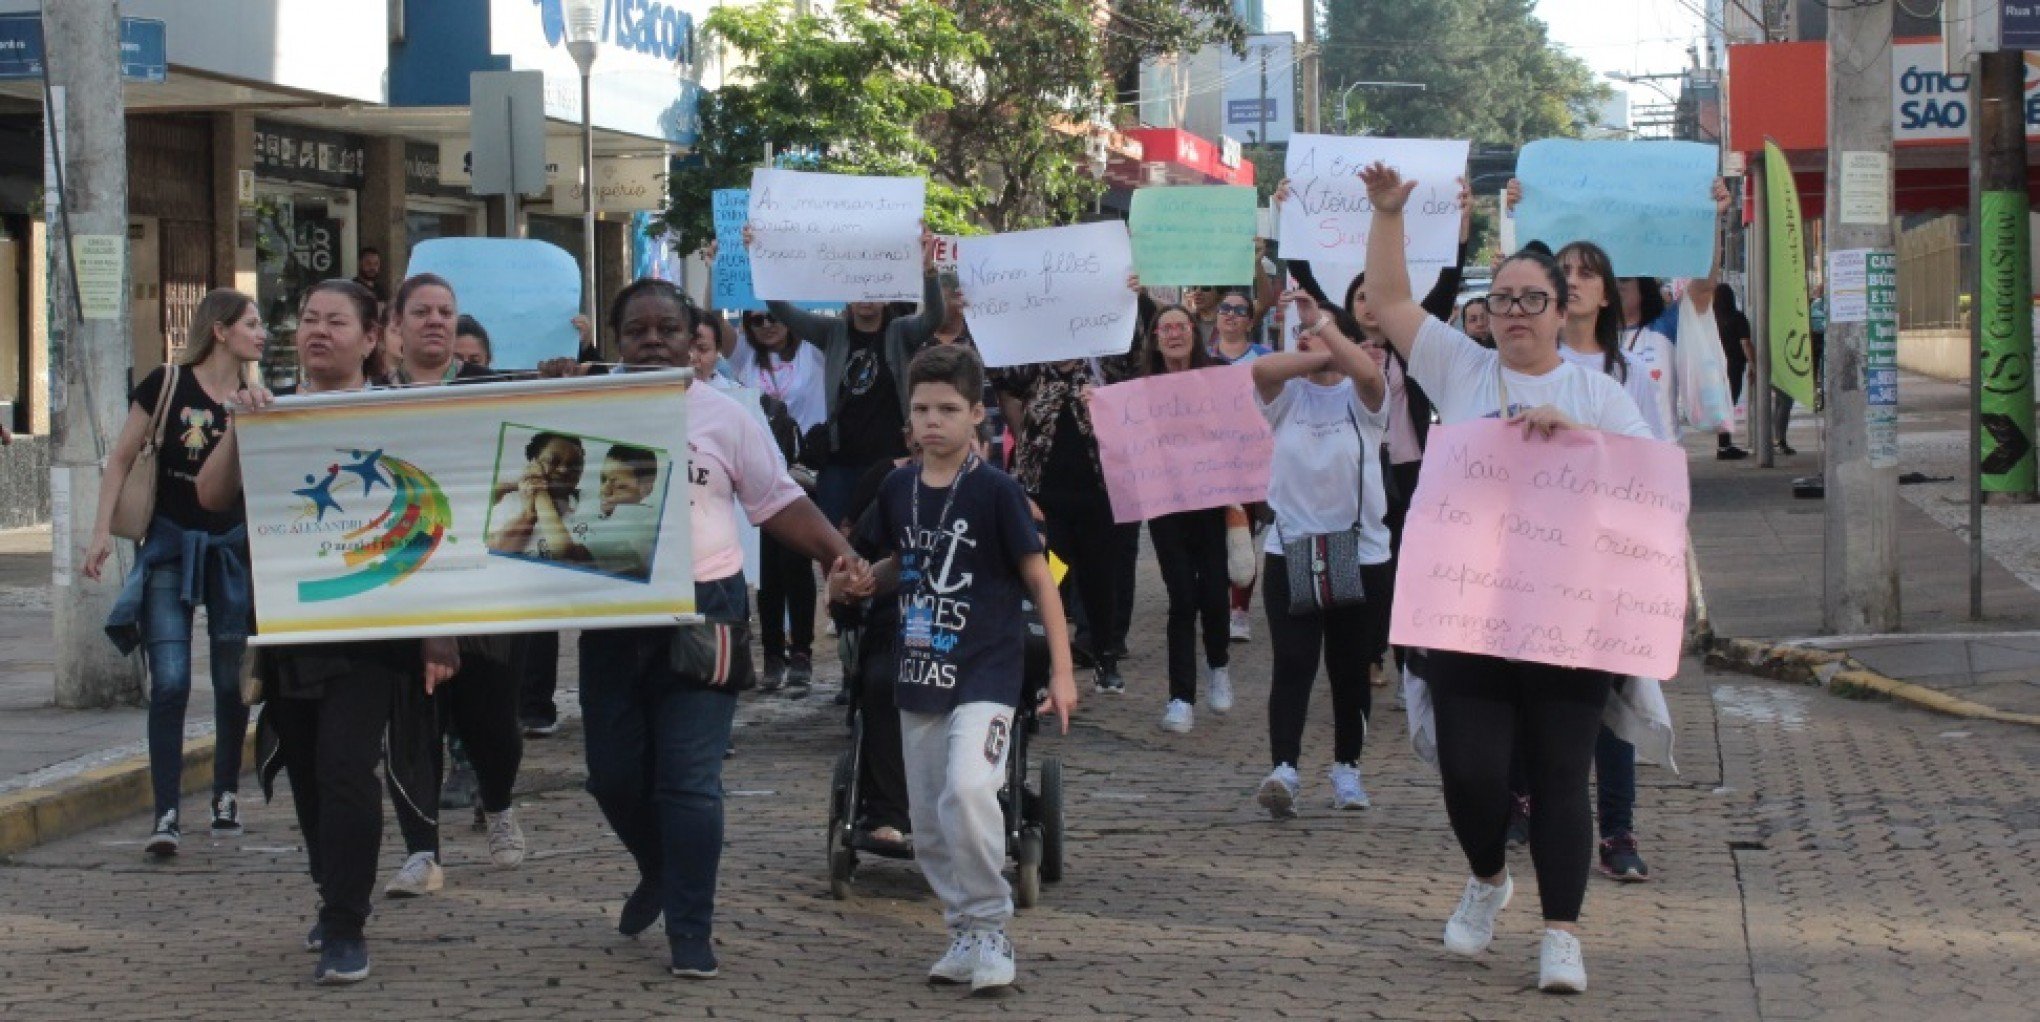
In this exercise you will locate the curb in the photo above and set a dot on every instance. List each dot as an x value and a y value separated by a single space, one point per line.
1842 675
95 797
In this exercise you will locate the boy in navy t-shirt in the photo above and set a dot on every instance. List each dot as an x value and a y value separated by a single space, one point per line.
965 554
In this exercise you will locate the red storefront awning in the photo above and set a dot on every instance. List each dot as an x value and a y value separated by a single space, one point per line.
1186 159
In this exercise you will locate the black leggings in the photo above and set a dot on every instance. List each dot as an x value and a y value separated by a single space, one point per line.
1191 550
1082 533
1349 638
786 586
882 780
329 746
1487 707
480 706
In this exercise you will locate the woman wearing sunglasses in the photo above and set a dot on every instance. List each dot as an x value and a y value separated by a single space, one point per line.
1232 339
1488 707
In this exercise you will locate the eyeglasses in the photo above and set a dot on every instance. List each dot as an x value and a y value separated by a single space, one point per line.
1529 303
1235 309
1200 290
763 319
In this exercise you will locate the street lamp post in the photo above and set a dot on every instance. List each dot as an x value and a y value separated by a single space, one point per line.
1346 94
584 31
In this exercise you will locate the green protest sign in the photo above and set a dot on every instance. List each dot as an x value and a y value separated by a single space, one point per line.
1194 234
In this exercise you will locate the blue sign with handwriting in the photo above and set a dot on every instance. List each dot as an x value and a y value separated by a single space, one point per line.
525 293
1650 205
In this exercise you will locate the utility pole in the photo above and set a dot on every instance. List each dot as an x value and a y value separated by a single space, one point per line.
90 351
1860 570
1263 108
1312 115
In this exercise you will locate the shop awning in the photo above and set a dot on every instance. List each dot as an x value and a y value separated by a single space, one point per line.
1178 157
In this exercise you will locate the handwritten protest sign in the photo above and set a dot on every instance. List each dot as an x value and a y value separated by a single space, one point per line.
1182 442
1649 204
1570 551
732 270
1048 295
524 293
1194 235
1327 216
835 237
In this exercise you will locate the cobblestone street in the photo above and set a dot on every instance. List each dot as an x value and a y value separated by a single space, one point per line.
1818 858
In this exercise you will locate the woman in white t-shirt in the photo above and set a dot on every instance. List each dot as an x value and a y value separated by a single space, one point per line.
768 358
1487 706
1648 351
1327 402
1592 336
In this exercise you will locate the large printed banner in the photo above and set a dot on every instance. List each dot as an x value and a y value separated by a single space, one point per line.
1048 295
1569 551
1649 204
1328 215
1182 442
835 237
495 507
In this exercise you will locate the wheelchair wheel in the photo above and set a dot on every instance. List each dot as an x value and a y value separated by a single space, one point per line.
1027 889
1052 819
841 857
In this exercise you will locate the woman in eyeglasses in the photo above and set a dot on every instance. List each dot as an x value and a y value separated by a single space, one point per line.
1488 707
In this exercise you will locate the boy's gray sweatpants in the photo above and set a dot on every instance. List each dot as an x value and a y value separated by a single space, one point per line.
956 764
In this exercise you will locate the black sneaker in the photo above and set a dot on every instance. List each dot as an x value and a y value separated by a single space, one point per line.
1519 821
315 938
342 960
1619 859
1109 681
693 958
1730 453
800 675
459 791
539 727
226 815
773 676
164 839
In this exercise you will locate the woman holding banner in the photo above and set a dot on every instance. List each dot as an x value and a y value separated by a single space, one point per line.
1327 404
190 555
331 705
658 703
1488 707
479 708
1190 547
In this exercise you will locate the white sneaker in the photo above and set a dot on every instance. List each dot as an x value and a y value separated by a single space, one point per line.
421 875
1561 967
506 838
994 964
1347 791
959 963
1277 793
1241 630
1218 691
1472 925
1178 717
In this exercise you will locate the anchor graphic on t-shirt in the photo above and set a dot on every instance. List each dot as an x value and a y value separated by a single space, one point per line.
941 582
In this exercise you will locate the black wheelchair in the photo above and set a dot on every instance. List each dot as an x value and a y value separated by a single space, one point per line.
1034 813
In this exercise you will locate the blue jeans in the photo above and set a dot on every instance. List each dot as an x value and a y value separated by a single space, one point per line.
1615 784
834 486
167 630
655 744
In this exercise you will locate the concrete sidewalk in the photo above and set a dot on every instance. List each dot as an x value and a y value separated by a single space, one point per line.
1759 553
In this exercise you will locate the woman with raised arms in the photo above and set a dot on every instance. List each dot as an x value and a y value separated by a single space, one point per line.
1487 706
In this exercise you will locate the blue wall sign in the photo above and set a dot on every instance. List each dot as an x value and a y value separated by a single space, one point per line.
144 49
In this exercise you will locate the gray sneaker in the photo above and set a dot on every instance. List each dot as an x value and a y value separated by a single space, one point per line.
1277 793
421 875
506 838
959 963
995 968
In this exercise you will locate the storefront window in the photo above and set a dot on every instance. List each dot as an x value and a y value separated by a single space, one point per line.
301 238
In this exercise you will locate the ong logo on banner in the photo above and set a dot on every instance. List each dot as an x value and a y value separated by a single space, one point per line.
373 547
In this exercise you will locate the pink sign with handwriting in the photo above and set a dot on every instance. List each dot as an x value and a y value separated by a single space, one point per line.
1182 442
1568 551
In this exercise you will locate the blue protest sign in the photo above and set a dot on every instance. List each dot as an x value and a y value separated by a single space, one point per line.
732 263
524 293
1649 204
144 49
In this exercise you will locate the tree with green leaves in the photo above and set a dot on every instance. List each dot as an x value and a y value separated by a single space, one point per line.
1490 70
987 98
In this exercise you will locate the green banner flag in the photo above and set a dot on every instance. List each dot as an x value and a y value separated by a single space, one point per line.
2006 315
1789 331
1196 234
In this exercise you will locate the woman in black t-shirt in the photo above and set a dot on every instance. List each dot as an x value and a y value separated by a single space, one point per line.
190 556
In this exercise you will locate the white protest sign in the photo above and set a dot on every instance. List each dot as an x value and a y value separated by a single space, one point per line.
1327 216
835 237
1049 295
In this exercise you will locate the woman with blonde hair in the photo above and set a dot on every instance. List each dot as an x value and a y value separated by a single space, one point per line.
190 556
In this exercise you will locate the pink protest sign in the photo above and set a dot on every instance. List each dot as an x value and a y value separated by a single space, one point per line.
1569 551
1182 442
